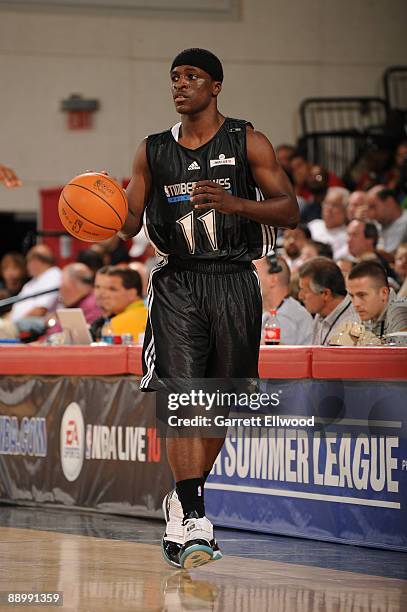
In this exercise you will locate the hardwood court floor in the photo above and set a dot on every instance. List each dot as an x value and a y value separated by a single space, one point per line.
105 574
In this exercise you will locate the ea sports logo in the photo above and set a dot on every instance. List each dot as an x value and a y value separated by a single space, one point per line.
72 441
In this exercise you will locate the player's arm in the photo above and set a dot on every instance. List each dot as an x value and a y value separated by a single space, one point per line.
137 193
280 204
279 208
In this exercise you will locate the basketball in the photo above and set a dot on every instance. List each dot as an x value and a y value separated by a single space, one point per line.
92 207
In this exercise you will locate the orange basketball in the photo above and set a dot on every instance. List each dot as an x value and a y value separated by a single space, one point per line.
92 207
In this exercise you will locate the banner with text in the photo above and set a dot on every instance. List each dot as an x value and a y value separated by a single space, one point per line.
87 442
331 464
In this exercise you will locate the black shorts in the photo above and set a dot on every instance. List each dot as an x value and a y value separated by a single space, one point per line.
204 322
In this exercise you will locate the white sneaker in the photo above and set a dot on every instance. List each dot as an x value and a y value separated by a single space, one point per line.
174 535
197 549
173 538
174 516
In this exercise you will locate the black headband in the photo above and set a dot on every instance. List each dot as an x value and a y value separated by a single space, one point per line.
201 58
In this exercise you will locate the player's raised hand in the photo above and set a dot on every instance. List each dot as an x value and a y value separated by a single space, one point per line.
9 177
208 194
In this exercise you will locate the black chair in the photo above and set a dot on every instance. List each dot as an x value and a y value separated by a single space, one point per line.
337 131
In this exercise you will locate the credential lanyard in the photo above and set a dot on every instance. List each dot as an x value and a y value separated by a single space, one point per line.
334 321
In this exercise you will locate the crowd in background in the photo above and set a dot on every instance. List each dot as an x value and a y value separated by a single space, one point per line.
110 296
340 277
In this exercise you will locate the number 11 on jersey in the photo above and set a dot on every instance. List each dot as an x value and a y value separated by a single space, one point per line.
208 220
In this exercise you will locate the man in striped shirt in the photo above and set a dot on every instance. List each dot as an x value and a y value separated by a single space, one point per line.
323 293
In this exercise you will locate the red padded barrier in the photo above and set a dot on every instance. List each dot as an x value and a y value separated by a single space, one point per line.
134 360
281 362
285 362
64 360
361 363
275 362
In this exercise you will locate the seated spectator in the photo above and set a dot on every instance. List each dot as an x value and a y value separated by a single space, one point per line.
357 207
374 302
300 169
362 242
44 276
400 262
295 321
362 238
372 204
323 293
331 228
123 298
13 273
76 291
317 183
385 208
293 242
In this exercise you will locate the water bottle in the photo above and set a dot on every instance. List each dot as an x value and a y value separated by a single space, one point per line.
107 333
272 329
65 246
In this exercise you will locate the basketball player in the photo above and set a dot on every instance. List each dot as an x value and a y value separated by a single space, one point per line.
196 186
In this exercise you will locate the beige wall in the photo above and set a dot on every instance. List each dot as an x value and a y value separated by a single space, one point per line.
276 54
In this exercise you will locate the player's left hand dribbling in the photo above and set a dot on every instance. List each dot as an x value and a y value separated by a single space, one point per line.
208 194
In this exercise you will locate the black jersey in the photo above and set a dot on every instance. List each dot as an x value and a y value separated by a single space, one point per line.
171 222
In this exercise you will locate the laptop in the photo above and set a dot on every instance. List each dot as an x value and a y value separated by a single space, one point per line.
74 326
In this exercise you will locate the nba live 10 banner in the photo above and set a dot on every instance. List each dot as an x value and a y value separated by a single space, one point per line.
85 442
336 470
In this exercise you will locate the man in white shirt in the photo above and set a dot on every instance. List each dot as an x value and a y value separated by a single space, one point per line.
323 293
385 208
331 229
44 276
295 321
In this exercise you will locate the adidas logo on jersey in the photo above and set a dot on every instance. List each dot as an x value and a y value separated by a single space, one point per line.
194 166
